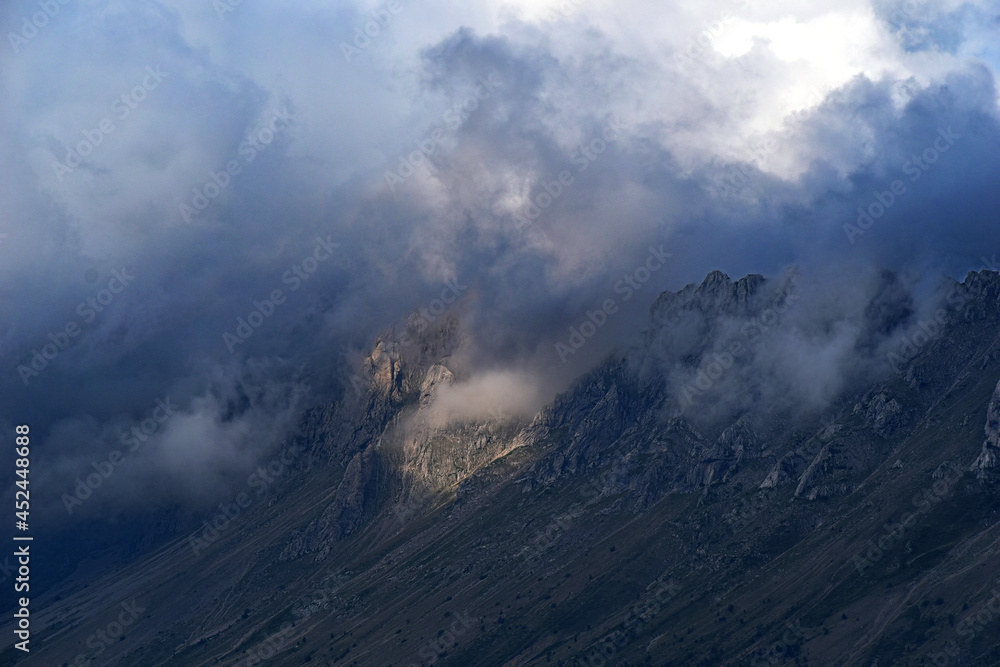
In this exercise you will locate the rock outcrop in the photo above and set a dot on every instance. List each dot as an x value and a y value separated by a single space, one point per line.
987 465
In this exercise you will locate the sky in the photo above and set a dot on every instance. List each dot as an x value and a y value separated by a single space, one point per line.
210 210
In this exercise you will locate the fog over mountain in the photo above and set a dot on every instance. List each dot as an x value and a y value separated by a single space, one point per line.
229 226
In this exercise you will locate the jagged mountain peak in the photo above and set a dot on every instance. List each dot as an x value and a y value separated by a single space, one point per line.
717 295
713 281
401 357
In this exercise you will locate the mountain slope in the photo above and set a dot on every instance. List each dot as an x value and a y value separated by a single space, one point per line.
687 502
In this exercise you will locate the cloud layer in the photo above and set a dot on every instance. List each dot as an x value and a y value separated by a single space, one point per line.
300 178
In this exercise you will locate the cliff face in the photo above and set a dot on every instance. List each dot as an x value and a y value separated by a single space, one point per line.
986 465
411 457
661 419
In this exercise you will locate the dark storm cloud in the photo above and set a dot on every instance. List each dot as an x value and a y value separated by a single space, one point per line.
617 150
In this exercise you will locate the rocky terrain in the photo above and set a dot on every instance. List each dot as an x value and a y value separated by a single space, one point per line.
702 498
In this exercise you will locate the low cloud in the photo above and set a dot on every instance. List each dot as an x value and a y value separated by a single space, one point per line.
747 154
490 395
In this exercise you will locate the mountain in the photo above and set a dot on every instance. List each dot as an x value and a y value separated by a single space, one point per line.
763 478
